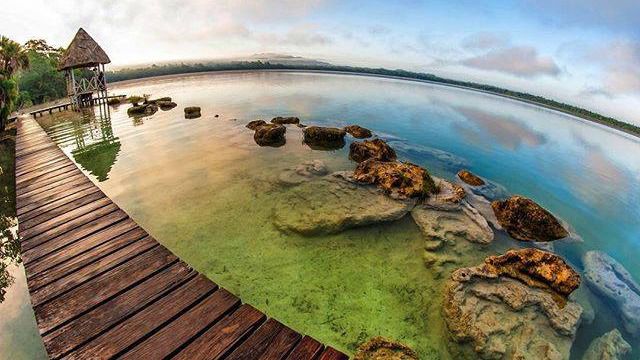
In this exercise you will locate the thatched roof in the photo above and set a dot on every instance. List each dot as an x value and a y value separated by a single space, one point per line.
83 52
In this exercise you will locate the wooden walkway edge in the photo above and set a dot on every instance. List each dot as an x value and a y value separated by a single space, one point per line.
102 288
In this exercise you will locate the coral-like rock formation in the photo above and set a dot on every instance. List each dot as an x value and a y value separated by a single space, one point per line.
610 346
306 171
375 149
323 138
609 278
470 178
379 348
255 124
357 131
525 220
192 112
504 318
270 135
331 204
399 179
285 120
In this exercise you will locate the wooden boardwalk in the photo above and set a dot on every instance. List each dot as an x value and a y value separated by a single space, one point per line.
101 287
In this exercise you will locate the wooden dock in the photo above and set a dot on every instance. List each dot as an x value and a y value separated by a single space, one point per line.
101 287
64 106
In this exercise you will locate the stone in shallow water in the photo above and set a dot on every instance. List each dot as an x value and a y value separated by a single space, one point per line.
445 160
306 171
610 346
470 178
400 180
610 279
331 204
503 318
270 135
323 138
379 348
371 149
253 125
285 120
525 220
357 131
450 226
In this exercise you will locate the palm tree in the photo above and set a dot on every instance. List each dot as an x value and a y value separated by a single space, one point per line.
13 57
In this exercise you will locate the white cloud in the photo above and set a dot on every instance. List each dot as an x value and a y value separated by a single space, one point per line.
522 61
484 40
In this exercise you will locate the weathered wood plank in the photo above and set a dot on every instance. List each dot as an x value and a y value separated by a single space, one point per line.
75 302
307 348
53 207
224 335
184 328
330 353
121 337
90 325
53 192
272 335
66 283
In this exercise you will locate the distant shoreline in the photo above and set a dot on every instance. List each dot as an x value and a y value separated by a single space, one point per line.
383 76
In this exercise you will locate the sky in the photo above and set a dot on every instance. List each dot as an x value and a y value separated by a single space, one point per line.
583 52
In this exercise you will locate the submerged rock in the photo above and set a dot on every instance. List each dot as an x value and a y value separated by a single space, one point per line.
447 195
192 112
114 101
399 179
609 278
379 348
270 135
444 160
441 227
323 138
285 120
255 124
142 110
375 149
525 220
358 132
331 204
504 318
610 346
306 171
166 105
470 178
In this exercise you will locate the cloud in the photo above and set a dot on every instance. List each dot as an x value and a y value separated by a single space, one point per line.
522 61
621 63
484 41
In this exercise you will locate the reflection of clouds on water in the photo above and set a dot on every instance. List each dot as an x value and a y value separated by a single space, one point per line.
509 132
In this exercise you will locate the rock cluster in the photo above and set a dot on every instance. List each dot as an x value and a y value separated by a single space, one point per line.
493 307
371 149
323 138
192 112
525 220
610 346
255 124
142 110
306 171
470 178
379 348
114 101
358 132
607 277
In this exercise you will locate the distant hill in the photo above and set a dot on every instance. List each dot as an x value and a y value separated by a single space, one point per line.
284 59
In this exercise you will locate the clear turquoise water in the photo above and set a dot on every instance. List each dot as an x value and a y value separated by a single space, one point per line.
205 190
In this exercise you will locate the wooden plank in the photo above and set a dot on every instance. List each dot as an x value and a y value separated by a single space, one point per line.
307 348
330 353
75 302
50 177
46 182
169 339
95 217
126 334
90 325
65 240
43 173
24 167
72 262
78 251
66 283
270 341
71 217
52 192
53 205
224 336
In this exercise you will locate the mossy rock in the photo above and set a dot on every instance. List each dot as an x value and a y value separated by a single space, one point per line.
379 348
114 101
191 112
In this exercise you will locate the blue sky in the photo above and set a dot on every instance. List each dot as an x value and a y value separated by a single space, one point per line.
582 52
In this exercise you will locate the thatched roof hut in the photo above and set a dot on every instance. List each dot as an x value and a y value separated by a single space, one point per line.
83 52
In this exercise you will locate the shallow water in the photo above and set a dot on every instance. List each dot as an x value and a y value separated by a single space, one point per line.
204 189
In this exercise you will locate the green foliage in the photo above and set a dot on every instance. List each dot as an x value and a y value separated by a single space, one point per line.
42 82
9 244
13 57
155 70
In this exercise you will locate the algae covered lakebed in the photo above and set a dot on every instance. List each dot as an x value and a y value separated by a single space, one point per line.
208 192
